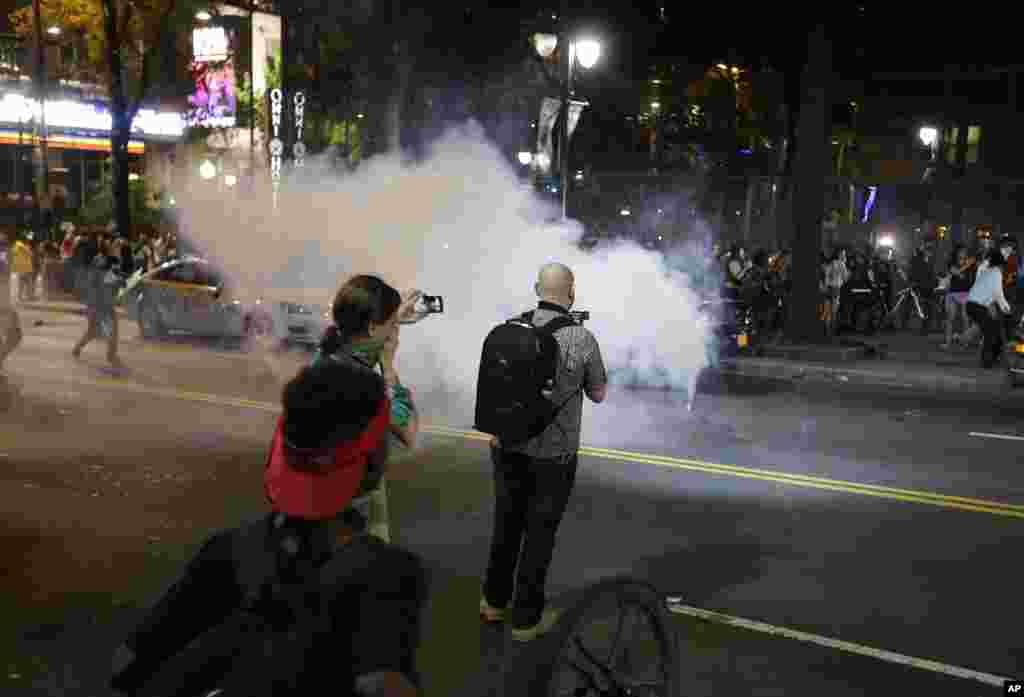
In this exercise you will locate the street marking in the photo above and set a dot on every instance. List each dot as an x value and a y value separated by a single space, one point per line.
1000 436
838 644
780 477
791 478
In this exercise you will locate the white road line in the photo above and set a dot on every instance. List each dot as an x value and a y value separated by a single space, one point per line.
849 647
999 436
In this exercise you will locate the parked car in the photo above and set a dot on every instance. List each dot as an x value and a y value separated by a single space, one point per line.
190 295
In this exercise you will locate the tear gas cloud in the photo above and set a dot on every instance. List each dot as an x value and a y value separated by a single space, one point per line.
458 224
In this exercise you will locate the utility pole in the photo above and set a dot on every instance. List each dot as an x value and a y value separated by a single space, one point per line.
565 55
43 155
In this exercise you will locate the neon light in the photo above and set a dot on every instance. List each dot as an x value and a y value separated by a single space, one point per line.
8 137
870 205
14 108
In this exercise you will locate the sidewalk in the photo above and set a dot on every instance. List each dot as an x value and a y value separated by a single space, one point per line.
901 360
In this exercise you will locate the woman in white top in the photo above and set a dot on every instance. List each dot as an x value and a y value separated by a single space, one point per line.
836 276
985 301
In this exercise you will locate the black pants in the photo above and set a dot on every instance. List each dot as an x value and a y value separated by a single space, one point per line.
531 498
992 329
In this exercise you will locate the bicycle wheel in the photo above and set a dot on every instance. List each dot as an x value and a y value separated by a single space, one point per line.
616 641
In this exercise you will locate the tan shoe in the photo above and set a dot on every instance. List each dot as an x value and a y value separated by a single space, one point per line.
489 614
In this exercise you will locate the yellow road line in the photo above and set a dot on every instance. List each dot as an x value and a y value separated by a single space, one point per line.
780 477
791 478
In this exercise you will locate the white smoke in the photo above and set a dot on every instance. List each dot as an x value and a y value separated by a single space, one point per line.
459 224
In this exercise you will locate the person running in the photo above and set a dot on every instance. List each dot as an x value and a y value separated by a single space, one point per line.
99 288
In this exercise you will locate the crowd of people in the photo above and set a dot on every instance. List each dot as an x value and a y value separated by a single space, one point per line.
44 269
864 289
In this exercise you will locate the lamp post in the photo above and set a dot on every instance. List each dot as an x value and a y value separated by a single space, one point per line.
929 137
586 53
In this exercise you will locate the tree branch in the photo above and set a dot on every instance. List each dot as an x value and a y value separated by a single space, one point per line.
145 77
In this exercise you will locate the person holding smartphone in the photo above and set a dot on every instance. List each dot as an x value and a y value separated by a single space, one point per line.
367 314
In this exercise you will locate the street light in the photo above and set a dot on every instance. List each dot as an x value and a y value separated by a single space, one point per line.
203 16
53 31
525 158
586 52
207 170
929 135
886 241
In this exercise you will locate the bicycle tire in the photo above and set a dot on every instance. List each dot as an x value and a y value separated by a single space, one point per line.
628 593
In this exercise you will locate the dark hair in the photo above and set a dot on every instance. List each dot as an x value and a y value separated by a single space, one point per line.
995 258
361 300
955 254
329 403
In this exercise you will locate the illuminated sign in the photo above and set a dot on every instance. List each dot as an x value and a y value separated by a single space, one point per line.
8 137
869 205
299 148
215 101
276 144
209 44
85 116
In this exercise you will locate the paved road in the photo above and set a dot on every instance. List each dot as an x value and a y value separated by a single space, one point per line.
920 571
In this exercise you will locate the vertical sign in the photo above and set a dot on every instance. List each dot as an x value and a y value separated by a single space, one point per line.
299 148
276 144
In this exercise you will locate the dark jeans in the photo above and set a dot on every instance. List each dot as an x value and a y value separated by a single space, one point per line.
992 329
531 497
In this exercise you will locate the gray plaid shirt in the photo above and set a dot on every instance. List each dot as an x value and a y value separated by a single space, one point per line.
580 367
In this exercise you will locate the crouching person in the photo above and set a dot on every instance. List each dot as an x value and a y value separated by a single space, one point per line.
303 598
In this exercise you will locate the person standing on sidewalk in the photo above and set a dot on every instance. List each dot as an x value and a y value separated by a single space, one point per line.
961 278
836 276
534 480
367 313
985 302
99 288
10 327
22 269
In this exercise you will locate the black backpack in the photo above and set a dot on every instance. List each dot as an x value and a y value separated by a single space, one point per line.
518 365
262 648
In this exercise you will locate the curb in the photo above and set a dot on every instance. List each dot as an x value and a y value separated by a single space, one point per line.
942 384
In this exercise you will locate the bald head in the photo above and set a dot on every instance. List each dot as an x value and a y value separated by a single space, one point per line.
555 284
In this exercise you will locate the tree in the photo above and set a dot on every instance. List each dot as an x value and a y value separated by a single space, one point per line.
140 51
811 165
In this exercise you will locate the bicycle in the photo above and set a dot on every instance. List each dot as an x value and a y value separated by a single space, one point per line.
919 305
595 656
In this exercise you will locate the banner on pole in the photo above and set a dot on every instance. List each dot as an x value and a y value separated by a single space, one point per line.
549 109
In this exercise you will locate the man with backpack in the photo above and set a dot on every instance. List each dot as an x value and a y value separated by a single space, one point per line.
303 601
533 373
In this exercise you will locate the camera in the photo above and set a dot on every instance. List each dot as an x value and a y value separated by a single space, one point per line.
430 305
426 305
579 316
